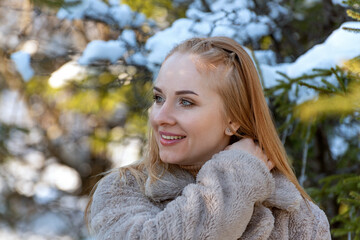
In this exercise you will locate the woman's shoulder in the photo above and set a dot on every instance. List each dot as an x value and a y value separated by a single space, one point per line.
312 211
311 219
116 182
116 187
306 219
120 177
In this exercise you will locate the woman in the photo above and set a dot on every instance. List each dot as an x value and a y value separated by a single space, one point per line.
216 168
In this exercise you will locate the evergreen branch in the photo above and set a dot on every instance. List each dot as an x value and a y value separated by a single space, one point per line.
284 75
349 201
352 3
353 179
281 81
353 14
339 79
324 90
328 84
355 195
323 72
355 30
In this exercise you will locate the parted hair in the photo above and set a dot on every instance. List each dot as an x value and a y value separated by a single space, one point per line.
235 78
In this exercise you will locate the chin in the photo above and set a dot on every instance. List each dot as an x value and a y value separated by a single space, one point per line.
171 160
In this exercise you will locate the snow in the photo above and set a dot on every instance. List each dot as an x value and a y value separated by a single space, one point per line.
339 2
229 5
235 19
276 10
30 47
161 43
257 30
223 31
44 194
124 16
70 71
49 224
128 36
244 15
114 13
122 154
338 146
137 59
203 28
339 142
13 109
340 46
78 11
267 57
110 50
62 177
22 63
349 130
232 18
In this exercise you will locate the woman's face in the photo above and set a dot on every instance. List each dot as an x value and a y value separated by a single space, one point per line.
187 115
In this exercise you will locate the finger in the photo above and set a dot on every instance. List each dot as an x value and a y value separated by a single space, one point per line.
270 164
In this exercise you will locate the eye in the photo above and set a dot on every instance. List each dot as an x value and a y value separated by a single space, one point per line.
186 103
158 99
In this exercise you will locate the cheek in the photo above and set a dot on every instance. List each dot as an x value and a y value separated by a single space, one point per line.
151 118
210 124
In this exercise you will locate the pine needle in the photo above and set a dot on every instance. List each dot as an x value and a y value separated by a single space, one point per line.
353 14
355 30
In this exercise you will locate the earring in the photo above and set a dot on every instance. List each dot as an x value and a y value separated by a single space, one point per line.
228 131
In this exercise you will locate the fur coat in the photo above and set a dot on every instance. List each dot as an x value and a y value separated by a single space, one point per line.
234 196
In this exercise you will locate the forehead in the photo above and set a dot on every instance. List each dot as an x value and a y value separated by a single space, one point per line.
183 70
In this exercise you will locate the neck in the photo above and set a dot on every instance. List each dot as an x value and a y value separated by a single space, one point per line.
193 169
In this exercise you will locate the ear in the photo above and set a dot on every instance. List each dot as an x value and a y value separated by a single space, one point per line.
232 128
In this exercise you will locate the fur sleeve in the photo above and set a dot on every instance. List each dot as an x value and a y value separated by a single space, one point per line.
321 230
218 206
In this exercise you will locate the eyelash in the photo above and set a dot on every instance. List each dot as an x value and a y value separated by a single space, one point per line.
189 103
158 99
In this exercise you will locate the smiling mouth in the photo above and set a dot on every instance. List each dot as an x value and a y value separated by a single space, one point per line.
169 139
172 137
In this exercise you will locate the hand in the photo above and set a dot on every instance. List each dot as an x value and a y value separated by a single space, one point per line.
249 146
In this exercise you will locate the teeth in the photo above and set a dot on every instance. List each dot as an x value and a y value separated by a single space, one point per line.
172 137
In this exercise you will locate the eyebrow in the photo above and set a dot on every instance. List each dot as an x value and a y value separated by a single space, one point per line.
178 92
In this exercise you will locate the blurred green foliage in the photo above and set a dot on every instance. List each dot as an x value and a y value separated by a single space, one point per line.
337 105
159 9
117 104
54 4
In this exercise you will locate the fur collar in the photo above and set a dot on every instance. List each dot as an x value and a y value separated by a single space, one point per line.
284 197
169 186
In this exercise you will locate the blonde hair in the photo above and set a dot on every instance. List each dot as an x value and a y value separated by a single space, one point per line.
238 84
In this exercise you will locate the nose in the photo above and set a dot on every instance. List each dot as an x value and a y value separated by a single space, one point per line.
163 115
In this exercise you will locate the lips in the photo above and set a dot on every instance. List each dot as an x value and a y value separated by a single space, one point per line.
168 139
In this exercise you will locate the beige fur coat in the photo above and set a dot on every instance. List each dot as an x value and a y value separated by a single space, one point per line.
234 196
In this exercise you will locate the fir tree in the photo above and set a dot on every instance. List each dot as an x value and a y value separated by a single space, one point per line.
353 12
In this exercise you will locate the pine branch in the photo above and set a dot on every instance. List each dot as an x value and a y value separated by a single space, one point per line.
319 89
328 84
324 72
352 3
355 30
284 75
353 14
339 79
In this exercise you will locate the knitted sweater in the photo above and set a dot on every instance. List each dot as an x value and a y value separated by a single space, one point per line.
234 196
